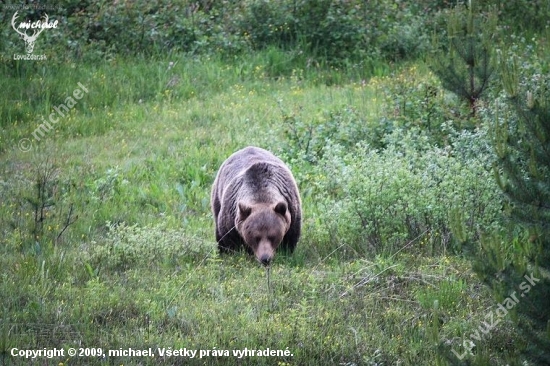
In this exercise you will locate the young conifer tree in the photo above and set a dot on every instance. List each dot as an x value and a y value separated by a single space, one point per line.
523 174
463 62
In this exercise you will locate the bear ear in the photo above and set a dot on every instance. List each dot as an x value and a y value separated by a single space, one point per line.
244 211
281 208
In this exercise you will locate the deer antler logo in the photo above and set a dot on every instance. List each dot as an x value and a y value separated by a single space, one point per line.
29 40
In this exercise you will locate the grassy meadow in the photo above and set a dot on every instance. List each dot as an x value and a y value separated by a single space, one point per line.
398 121
107 235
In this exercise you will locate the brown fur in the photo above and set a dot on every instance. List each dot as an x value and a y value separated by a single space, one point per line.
255 201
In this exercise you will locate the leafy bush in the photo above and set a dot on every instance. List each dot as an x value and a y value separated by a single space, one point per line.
413 99
266 23
380 200
406 37
126 246
531 15
330 29
333 30
306 141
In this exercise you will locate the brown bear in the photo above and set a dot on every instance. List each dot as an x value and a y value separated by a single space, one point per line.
255 201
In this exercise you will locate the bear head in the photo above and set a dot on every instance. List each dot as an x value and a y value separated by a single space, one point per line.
262 227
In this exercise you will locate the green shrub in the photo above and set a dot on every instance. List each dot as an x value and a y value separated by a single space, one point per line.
413 98
532 15
380 200
126 246
265 23
332 30
329 29
406 37
306 141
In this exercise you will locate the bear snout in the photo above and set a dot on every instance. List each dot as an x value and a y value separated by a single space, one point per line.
265 260
264 253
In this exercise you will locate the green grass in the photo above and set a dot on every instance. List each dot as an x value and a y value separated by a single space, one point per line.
125 254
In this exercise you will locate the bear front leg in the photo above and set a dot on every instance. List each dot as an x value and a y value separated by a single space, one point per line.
228 242
292 236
